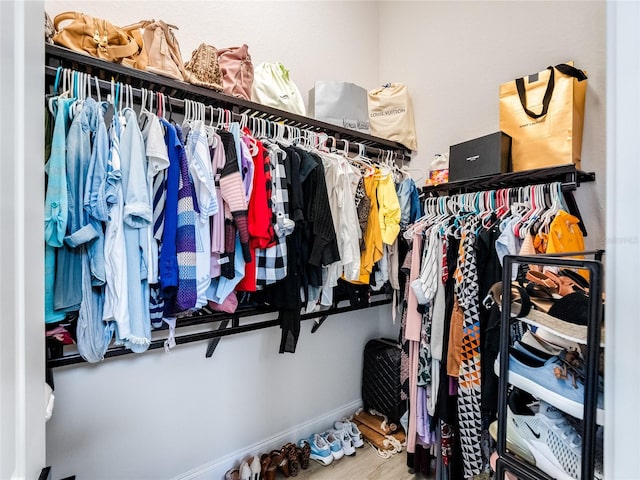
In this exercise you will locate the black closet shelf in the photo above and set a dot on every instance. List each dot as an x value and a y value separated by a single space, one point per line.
568 175
235 328
57 56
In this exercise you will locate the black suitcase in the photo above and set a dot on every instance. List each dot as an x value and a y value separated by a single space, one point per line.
381 385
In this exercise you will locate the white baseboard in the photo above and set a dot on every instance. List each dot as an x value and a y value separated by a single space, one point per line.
216 469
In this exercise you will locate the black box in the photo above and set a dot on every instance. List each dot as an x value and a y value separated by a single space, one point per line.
488 155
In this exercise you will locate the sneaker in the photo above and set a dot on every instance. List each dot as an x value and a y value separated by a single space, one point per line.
335 445
555 445
513 445
552 381
345 441
320 450
537 342
532 351
353 431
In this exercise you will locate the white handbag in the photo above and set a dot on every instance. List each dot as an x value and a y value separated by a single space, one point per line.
273 87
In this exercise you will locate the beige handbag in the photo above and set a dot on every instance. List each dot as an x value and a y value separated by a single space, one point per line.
544 116
391 115
203 69
162 48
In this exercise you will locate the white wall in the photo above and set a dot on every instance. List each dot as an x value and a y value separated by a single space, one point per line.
160 416
22 387
623 242
315 40
454 55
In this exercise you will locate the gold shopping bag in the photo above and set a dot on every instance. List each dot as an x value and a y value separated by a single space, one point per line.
544 115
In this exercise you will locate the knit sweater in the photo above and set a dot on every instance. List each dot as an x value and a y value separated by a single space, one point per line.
185 236
233 193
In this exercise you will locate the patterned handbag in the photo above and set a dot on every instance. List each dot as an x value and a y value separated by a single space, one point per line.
203 69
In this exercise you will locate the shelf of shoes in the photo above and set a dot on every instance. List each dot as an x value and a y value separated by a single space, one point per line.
562 385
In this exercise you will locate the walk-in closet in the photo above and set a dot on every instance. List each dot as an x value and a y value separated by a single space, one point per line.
234 284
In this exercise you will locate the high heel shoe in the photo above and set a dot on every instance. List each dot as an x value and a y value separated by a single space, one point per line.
268 468
304 450
254 465
292 457
233 474
245 471
279 458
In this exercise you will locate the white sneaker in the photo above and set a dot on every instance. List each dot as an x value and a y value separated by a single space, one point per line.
553 442
345 441
353 431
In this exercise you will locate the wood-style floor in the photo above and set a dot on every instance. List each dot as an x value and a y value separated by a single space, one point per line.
365 465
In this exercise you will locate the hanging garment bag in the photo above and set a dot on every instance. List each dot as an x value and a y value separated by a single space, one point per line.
544 115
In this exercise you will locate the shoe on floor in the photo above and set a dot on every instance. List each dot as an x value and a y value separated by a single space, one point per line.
320 450
335 445
555 445
345 442
550 381
353 431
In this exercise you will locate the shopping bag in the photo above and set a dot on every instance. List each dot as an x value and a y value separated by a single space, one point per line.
391 115
544 115
273 87
340 103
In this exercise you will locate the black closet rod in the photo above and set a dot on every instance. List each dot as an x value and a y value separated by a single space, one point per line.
568 175
75 358
353 146
174 89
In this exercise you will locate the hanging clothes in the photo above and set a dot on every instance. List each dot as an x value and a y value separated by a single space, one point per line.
56 211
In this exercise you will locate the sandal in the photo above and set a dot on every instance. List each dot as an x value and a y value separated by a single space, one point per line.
544 280
292 457
304 451
233 474
268 470
579 282
565 284
279 458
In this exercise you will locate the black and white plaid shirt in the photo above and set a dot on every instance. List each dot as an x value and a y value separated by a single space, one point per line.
271 262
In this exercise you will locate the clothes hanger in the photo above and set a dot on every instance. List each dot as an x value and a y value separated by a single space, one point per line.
145 114
212 138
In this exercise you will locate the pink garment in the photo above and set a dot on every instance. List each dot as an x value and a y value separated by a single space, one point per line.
414 319
414 357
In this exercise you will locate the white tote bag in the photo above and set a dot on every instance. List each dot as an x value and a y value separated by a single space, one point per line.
340 103
391 115
273 87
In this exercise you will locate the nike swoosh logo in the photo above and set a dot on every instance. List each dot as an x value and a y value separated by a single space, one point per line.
535 434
